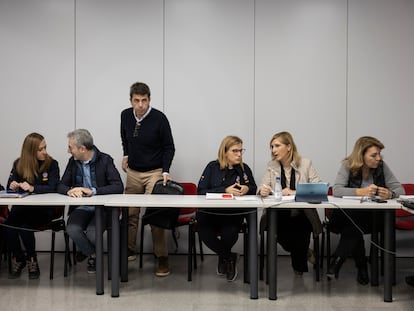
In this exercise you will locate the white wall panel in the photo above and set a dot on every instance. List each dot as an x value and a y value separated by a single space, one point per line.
36 76
209 76
300 80
117 43
380 100
36 80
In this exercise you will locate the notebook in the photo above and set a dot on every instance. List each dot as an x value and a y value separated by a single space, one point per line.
11 194
312 192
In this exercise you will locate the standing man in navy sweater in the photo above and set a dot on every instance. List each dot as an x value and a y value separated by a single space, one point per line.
148 148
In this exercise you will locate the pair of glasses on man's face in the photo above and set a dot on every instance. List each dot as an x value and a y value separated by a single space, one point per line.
136 129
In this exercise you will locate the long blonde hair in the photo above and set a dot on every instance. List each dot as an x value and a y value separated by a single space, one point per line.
28 165
226 144
287 139
356 159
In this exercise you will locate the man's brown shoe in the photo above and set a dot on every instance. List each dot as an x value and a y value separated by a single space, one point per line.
162 269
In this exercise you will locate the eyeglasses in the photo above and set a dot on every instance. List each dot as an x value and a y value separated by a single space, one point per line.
236 151
136 129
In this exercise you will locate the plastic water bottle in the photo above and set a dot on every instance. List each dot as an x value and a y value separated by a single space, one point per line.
278 190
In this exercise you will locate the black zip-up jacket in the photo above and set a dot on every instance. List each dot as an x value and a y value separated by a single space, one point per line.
108 180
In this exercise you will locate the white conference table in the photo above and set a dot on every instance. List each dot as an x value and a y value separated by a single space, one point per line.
117 201
251 202
200 201
388 210
55 199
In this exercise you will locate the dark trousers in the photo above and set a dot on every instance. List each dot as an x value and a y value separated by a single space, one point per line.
293 234
219 231
351 242
30 218
81 229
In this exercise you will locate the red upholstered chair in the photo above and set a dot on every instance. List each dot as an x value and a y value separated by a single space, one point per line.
185 217
405 220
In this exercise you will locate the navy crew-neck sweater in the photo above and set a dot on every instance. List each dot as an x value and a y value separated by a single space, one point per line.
153 147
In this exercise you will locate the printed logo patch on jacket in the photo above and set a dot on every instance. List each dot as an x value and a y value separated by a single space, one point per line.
45 176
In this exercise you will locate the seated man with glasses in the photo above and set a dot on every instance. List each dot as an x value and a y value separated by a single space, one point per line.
219 228
89 172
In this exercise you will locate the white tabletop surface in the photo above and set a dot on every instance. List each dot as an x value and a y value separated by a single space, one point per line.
333 202
198 201
54 199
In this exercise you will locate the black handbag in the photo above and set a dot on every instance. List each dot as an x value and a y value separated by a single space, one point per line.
163 217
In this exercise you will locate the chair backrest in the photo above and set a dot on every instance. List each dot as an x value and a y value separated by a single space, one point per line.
4 212
405 220
187 213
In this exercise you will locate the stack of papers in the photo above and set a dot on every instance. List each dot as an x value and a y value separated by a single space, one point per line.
219 196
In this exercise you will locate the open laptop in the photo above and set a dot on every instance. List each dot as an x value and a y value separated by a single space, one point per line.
11 194
312 192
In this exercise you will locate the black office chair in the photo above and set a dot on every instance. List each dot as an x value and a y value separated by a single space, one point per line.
376 236
55 225
4 212
191 260
262 234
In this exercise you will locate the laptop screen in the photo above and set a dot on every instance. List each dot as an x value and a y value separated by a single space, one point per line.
312 192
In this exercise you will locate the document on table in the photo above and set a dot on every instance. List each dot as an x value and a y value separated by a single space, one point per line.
247 198
219 196
406 197
351 197
288 198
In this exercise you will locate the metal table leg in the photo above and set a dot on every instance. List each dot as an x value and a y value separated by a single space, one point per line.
115 253
272 252
389 258
124 245
99 250
253 254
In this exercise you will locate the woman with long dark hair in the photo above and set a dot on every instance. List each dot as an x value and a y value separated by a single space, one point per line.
34 172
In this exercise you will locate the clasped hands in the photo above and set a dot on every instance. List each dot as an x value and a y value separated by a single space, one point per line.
374 190
237 189
79 192
25 186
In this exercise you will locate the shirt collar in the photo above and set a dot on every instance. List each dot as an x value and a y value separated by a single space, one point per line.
138 119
